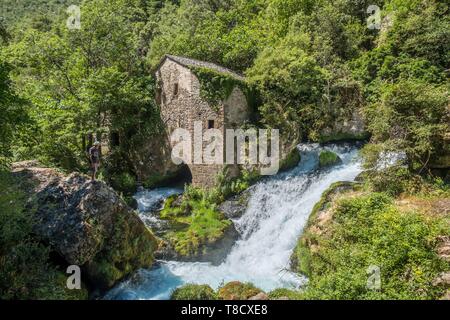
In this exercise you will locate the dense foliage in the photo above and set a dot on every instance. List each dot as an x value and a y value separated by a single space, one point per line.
12 113
370 230
196 221
26 271
91 81
313 63
14 11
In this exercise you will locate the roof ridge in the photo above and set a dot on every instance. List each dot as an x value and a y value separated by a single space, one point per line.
190 62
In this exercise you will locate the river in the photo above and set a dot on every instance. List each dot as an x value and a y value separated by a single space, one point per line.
276 214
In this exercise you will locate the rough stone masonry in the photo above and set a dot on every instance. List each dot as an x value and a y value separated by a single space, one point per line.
182 105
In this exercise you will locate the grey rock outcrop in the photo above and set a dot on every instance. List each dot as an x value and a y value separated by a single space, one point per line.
87 224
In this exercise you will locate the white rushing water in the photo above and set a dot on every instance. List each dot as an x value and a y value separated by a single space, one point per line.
150 201
276 214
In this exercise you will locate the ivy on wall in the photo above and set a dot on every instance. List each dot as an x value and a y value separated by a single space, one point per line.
216 87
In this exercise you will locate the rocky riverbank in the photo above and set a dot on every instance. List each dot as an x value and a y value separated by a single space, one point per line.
85 223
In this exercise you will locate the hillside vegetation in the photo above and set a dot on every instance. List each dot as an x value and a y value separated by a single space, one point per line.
317 71
13 11
315 64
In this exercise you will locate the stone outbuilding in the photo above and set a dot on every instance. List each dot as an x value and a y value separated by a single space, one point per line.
182 102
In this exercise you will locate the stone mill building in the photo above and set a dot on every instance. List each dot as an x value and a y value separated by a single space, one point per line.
181 104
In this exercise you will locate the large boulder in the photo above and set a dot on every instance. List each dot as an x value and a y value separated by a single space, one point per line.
328 158
235 207
347 125
87 224
214 252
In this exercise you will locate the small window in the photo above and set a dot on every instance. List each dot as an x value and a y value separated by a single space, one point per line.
158 96
175 89
211 124
115 139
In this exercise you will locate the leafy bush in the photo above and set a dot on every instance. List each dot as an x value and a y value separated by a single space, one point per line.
237 291
412 118
394 181
227 187
124 182
370 230
194 292
285 293
202 222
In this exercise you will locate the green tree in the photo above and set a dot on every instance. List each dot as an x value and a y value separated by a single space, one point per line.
89 80
12 114
412 117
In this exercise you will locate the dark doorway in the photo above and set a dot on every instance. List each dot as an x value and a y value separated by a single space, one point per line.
115 139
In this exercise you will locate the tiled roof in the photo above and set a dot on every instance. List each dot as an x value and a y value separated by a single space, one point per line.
188 62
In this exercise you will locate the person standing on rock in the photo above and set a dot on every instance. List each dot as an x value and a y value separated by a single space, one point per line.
94 156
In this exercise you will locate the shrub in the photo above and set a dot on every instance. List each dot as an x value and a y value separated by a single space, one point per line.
285 293
238 291
227 187
194 292
412 118
124 182
370 230
394 181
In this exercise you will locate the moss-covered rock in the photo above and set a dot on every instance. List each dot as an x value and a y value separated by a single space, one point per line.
194 292
301 257
238 291
291 160
328 158
87 224
27 270
130 247
198 230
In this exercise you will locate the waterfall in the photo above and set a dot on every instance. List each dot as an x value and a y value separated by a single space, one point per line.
275 217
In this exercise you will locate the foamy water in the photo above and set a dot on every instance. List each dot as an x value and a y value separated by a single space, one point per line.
277 212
